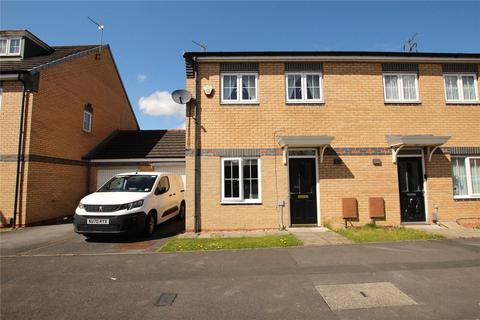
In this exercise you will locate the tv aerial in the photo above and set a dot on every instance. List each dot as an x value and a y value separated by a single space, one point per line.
411 44
100 28
201 45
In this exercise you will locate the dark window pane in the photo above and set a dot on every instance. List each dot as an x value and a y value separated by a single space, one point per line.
246 189
254 189
228 189
228 170
236 189
246 169
298 93
233 95
254 169
235 171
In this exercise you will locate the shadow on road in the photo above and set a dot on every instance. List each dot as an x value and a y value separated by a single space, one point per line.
167 229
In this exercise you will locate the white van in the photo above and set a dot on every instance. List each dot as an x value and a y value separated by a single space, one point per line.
131 202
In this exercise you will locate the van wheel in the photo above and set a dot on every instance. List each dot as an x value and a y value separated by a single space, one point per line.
150 224
181 212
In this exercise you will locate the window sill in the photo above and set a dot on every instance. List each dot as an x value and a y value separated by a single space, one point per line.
463 103
239 203
316 102
240 103
403 103
468 198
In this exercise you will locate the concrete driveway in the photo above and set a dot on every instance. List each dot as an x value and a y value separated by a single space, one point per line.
61 240
69 278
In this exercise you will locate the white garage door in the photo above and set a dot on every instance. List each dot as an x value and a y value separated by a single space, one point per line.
104 174
173 168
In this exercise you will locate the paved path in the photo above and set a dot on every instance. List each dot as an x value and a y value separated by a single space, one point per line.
319 236
437 279
449 230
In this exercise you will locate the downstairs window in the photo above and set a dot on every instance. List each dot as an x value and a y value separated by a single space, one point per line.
466 177
241 180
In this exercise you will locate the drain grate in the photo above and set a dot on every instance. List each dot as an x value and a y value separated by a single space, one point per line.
166 299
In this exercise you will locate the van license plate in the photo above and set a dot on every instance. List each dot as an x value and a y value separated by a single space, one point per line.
98 221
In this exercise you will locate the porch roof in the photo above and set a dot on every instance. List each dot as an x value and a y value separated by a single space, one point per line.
304 141
430 141
426 140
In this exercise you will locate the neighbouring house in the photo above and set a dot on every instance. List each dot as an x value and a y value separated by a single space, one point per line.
133 150
331 137
56 104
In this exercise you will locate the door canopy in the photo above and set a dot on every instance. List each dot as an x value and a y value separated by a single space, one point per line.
321 142
431 142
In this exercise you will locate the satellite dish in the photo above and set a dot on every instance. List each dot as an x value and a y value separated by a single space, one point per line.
181 96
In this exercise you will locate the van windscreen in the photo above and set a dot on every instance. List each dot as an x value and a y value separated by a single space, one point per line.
134 183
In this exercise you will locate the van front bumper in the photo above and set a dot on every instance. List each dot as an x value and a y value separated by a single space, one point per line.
125 223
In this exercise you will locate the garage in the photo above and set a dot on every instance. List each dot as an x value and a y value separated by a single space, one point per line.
137 150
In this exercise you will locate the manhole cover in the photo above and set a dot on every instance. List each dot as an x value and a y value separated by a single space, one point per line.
166 299
363 295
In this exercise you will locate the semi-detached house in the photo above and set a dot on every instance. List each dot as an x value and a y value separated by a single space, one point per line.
56 104
309 138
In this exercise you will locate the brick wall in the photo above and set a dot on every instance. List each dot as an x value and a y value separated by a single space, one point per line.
355 113
55 183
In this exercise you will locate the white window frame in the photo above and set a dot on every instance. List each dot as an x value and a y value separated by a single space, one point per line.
241 199
304 75
401 98
8 47
459 76
239 99
468 175
89 129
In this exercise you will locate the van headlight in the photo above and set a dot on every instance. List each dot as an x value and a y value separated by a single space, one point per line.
81 206
131 205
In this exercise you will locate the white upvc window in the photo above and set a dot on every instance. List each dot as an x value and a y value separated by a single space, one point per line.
241 180
400 87
10 47
87 121
239 87
304 87
466 177
461 88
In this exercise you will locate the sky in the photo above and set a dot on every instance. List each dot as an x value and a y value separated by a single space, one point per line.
148 38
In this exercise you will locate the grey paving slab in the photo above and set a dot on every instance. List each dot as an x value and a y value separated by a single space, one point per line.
318 236
363 295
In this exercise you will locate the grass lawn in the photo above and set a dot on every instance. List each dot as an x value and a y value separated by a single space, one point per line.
192 244
371 233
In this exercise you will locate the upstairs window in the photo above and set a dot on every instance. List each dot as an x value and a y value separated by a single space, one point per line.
87 117
466 177
87 121
241 180
461 88
239 88
304 87
400 87
10 46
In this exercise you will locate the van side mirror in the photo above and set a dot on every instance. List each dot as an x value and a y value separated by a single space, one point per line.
160 190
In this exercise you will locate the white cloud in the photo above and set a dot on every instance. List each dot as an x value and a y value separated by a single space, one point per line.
160 103
141 77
